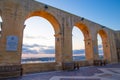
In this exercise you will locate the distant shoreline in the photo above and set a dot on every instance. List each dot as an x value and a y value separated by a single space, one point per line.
50 59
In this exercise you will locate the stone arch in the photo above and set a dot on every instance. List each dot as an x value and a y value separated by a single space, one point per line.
49 17
87 39
106 48
103 34
56 27
84 30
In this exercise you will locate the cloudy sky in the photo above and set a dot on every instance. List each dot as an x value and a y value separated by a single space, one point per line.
39 40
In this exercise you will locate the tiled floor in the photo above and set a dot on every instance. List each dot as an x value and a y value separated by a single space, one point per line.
108 72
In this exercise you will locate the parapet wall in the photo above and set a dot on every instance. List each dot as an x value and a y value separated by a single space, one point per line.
50 66
38 67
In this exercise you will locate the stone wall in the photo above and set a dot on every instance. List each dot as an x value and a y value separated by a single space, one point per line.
38 67
117 38
15 12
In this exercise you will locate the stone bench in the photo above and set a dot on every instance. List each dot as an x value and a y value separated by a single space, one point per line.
68 66
10 71
99 62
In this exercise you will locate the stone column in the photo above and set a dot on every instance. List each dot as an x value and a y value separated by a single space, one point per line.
90 50
106 51
58 48
95 49
12 26
112 48
67 40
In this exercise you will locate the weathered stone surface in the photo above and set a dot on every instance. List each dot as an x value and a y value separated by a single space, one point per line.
15 12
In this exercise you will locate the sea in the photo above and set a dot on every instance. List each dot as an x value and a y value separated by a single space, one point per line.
50 59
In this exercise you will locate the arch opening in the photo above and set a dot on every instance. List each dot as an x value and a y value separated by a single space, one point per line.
83 38
78 45
41 39
100 47
1 21
102 44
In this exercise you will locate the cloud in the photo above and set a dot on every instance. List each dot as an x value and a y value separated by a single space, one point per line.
42 37
43 49
51 47
36 49
81 51
26 50
36 37
100 52
100 46
24 56
29 37
48 51
33 45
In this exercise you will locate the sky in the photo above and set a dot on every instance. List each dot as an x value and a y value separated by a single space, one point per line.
39 40
0 22
104 12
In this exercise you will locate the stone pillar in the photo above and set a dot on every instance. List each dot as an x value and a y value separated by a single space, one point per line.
12 26
117 41
58 48
95 49
106 50
112 48
67 41
90 50
67 48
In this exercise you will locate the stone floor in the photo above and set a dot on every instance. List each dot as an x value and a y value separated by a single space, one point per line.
108 72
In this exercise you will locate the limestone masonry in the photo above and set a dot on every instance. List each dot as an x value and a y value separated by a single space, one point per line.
15 12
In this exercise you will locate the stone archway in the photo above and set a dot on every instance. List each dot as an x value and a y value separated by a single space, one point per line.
78 45
47 16
100 47
105 43
14 13
87 41
56 28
